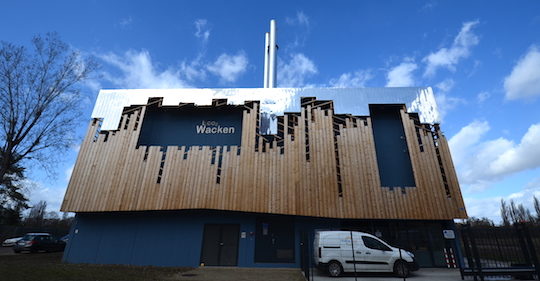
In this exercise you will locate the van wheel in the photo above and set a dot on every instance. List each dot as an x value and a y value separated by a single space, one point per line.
334 269
401 269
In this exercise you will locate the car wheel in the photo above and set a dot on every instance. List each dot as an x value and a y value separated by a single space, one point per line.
334 269
401 269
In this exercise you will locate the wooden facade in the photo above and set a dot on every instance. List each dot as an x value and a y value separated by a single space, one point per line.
320 164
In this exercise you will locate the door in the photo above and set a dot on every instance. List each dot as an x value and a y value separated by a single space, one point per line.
220 244
274 240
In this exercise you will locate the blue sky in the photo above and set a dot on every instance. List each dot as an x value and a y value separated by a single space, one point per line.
482 59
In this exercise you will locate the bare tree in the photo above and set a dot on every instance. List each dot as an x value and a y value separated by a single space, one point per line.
517 212
505 213
37 214
39 101
537 208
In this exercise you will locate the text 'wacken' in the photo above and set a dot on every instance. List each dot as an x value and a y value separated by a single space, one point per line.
213 127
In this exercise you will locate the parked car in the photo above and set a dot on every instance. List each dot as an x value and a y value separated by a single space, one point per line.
336 252
10 242
35 242
65 238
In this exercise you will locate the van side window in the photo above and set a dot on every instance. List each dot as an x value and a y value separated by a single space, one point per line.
374 244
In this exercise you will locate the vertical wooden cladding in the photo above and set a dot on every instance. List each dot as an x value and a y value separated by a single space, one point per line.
320 164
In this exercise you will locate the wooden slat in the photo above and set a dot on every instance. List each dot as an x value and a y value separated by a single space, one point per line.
113 175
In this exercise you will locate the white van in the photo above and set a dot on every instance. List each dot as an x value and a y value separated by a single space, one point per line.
334 253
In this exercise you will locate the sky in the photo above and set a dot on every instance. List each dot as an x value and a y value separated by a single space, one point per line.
482 59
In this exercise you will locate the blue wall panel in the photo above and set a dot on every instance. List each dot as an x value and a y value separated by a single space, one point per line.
151 238
167 238
174 238
393 159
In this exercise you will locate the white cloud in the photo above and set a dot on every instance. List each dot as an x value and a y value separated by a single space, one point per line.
446 85
229 67
401 75
138 71
357 79
52 195
301 30
125 21
490 207
480 162
484 208
462 143
202 30
522 156
428 6
524 81
300 19
482 96
446 102
68 172
194 70
295 71
449 57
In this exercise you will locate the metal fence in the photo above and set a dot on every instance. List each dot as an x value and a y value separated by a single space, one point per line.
500 251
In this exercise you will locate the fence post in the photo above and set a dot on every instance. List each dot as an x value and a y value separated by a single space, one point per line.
467 244
467 250
532 250
476 254
304 256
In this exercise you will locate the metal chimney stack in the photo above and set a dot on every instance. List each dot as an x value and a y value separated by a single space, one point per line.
270 57
266 48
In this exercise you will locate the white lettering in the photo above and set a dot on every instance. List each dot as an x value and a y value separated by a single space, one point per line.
203 129
200 128
213 127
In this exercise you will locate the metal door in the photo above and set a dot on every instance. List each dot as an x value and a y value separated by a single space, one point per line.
220 244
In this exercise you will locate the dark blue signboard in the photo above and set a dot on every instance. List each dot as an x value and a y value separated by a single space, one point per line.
192 126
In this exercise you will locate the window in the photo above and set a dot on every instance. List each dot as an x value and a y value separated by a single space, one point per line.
374 244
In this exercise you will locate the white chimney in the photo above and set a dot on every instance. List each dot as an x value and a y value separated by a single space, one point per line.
270 57
266 50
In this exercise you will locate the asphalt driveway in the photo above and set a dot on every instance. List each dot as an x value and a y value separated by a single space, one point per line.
240 274
424 274
280 274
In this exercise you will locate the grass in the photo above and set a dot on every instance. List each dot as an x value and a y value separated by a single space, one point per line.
49 266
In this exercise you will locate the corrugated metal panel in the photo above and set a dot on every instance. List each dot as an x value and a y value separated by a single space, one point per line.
274 101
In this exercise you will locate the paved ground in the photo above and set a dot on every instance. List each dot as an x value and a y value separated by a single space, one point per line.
266 274
6 251
240 274
263 274
424 274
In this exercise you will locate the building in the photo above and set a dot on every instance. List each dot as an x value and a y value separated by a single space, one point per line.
243 177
